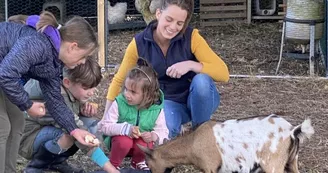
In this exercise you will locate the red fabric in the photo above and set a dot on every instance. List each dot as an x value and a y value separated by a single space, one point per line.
123 146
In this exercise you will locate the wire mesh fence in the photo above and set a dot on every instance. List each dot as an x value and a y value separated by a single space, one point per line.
62 9
2 10
129 16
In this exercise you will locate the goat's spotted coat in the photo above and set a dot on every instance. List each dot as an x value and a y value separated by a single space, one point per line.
239 141
259 144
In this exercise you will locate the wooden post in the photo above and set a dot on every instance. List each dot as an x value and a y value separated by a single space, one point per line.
249 11
101 32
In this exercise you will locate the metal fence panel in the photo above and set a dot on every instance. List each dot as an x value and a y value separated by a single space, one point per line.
2 10
87 9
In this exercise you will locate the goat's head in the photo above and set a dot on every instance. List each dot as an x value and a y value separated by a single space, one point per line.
155 161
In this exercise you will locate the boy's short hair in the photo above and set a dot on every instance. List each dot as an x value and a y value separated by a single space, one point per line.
87 74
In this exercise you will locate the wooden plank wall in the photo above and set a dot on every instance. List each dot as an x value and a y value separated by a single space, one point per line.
222 12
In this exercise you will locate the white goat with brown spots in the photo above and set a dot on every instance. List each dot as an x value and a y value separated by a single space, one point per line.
267 144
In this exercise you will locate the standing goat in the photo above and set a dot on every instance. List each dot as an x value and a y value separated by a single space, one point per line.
259 144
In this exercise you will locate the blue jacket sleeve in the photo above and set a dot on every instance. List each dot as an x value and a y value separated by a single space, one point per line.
25 53
55 104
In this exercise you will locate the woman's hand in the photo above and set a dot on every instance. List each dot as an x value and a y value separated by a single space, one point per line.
37 110
181 68
89 109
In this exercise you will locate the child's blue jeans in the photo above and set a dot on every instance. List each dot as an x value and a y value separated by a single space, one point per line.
202 102
90 123
49 135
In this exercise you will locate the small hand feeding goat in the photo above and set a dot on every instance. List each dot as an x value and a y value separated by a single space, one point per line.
259 144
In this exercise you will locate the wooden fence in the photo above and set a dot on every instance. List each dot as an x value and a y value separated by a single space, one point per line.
222 12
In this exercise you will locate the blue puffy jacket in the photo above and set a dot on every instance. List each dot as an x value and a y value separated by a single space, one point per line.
26 53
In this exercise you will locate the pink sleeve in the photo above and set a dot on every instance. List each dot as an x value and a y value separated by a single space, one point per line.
160 128
108 125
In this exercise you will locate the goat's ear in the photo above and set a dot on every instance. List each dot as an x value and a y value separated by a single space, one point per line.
146 150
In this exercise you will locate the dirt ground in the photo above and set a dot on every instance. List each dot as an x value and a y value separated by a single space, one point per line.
252 50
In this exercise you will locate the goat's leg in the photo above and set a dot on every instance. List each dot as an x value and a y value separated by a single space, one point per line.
276 169
273 168
293 166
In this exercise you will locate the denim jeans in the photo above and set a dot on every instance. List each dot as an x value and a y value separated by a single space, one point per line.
202 102
90 123
48 136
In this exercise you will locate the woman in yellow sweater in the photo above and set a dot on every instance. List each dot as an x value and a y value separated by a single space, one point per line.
187 67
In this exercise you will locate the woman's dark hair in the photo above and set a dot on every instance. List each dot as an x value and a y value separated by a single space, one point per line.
187 5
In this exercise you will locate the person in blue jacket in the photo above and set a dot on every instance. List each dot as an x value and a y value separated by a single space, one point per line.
39 50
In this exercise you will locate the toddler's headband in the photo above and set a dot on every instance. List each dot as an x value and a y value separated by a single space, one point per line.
137 68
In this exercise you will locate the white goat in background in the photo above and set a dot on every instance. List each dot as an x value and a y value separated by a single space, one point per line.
259 144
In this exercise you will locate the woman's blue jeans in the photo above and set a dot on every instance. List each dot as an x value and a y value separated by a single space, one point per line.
203 100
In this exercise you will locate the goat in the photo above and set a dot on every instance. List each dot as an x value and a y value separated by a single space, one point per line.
252 145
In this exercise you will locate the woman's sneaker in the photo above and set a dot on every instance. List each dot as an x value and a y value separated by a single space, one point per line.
140 166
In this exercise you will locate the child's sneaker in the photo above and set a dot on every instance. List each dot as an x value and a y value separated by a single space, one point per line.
140 166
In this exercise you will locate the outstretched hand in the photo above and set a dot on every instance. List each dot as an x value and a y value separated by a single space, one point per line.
37 110
80 135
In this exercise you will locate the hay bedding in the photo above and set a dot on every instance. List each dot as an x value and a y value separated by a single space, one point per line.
251 50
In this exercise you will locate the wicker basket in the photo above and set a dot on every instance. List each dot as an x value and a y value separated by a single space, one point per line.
304 10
